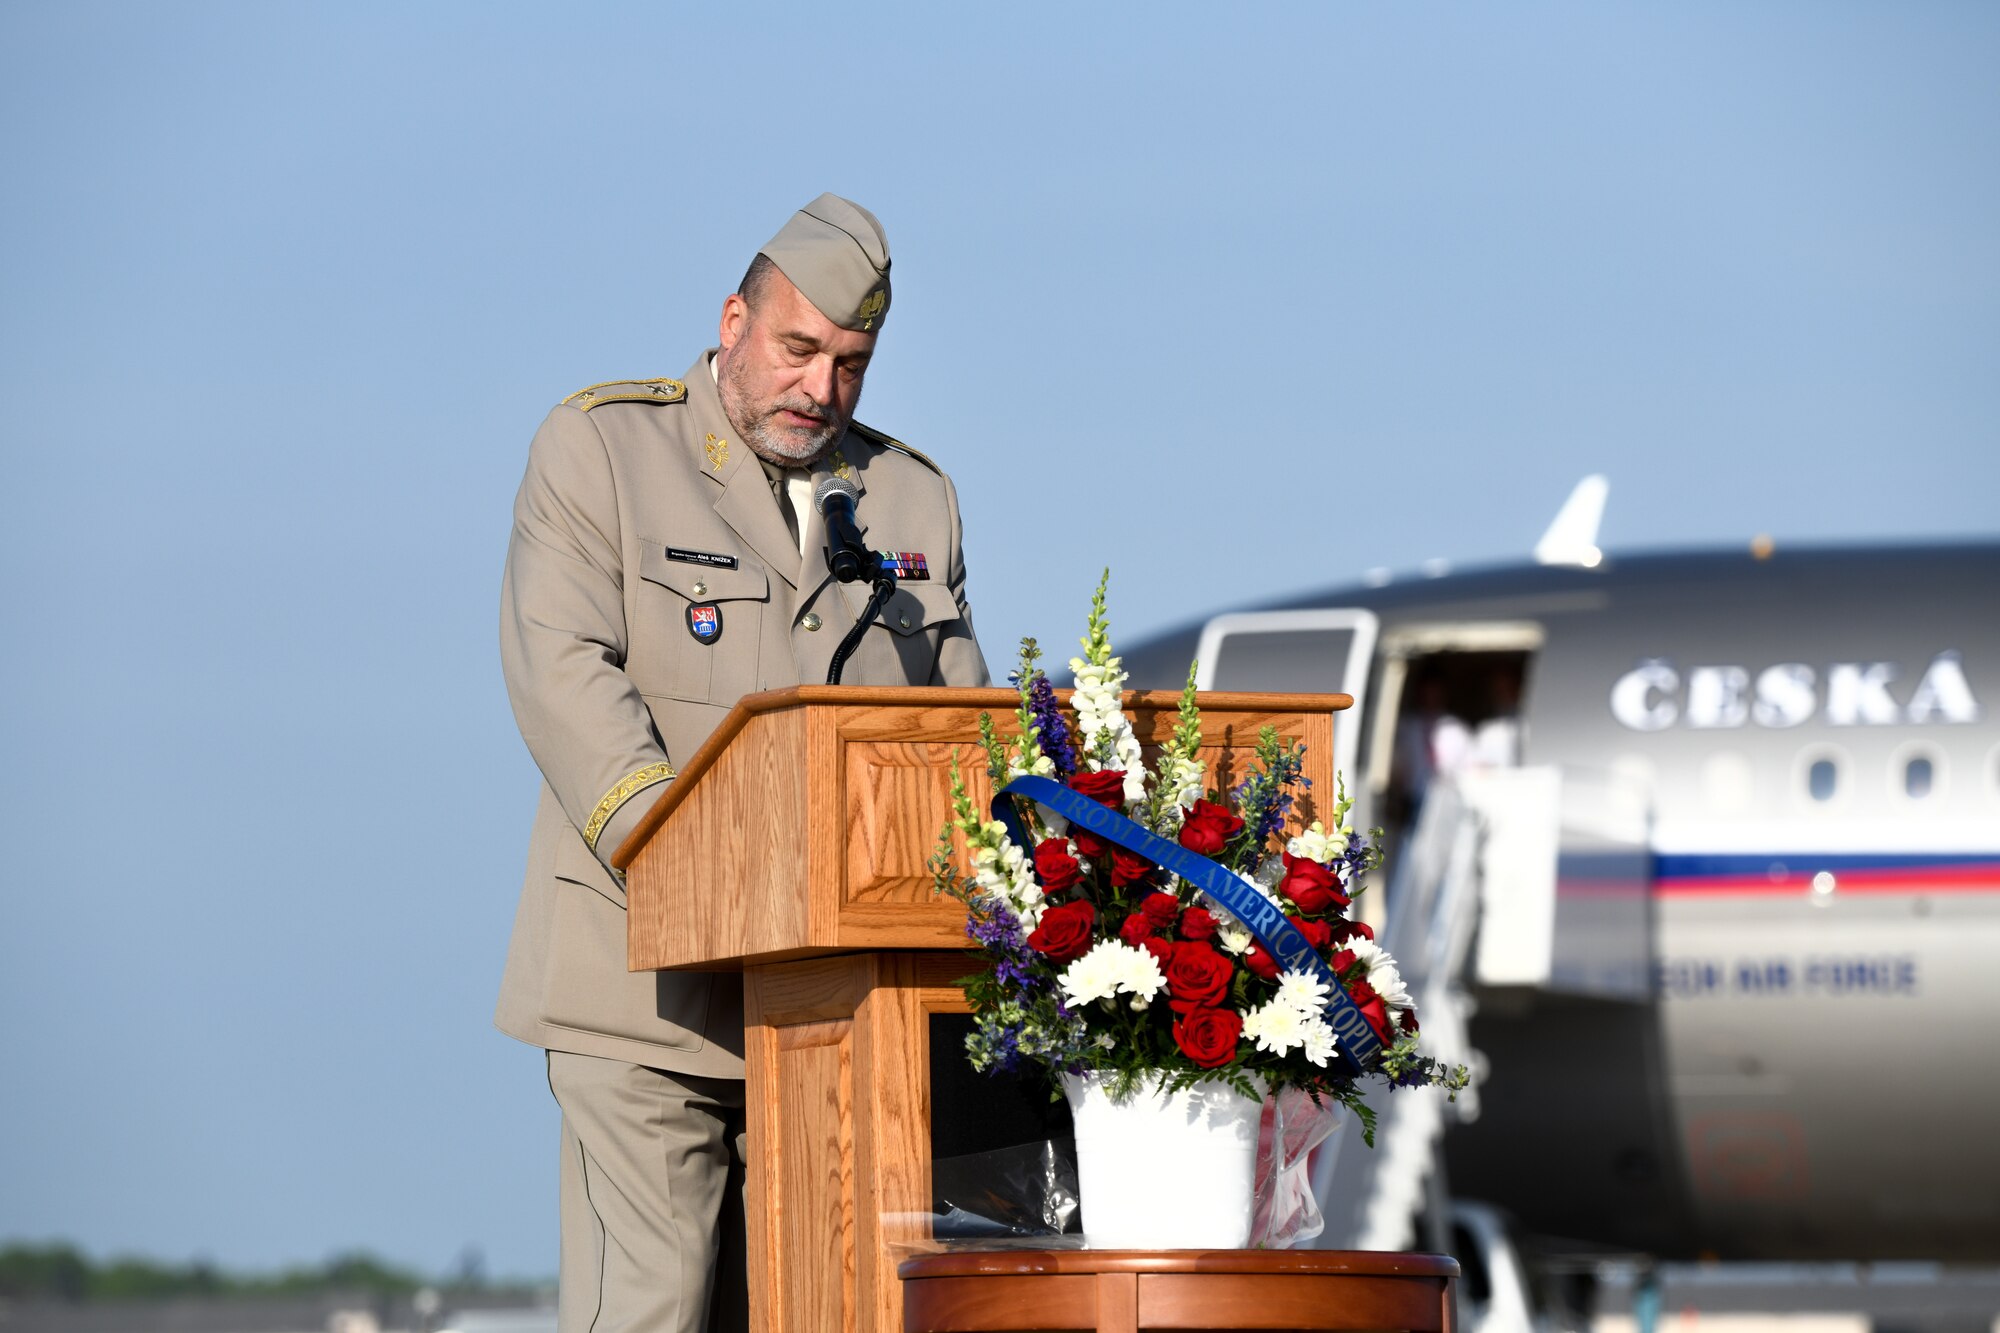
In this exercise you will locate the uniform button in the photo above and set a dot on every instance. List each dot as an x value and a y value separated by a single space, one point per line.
700 588
903 619
812 620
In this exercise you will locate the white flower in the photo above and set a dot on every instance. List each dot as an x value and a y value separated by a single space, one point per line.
1319 1042
1382 972
1303 991
1388 984
1112 967
1105 1041
1095 702
1043 767
1091 977
1276 1027
1180 786
1316 844
1231 934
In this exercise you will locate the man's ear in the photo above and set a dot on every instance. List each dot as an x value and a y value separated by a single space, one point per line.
735 319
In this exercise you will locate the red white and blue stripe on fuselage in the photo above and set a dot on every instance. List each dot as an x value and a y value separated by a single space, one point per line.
1792 873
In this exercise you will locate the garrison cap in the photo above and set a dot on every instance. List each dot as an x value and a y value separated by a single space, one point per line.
834 251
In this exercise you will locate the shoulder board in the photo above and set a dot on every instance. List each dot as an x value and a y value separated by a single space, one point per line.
627 391
874 436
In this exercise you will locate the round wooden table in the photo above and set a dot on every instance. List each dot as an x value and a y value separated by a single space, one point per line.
1121 1291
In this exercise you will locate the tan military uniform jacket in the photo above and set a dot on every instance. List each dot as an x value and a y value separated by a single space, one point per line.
640 511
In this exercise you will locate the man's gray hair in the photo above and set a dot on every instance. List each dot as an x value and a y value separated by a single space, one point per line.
756 279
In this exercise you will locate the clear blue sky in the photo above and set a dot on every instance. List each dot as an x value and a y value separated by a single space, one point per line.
1236 300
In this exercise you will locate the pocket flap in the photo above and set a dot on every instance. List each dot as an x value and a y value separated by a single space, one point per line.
915 608
747 581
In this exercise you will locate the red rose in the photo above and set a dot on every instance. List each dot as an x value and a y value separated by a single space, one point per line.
1089 843
1138 928
1197 977
1341 961
1343 931
1106 788
1318 933
1208 828
1372 1008
1064 935
1407 1021
1208 1036
1162 950
1311 885
1129 868
1161 909
1261 963
1198 923
1055 867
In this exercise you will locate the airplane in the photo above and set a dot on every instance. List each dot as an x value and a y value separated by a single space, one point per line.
1720 904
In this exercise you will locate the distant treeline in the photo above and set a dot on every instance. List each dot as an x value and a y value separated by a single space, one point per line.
60 1271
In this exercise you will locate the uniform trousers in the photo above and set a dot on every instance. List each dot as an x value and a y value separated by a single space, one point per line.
652 1199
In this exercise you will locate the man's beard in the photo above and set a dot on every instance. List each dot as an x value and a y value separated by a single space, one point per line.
770 440
789 444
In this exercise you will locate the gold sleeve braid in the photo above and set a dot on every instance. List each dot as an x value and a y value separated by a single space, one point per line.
618 795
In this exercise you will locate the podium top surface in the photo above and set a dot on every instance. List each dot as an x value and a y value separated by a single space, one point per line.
1356 1263
996 700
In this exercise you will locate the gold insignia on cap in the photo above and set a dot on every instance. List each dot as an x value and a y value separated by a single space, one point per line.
718 452
872 307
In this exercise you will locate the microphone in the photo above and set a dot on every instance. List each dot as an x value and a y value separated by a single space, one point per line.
834 497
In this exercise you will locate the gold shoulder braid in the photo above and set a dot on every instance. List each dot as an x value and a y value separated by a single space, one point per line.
627 391
618 795
874 436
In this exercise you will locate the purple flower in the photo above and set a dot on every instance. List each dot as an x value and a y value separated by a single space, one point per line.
1356 856
995 928
1053 730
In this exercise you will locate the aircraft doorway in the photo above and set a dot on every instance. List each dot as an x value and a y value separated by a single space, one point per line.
1451 699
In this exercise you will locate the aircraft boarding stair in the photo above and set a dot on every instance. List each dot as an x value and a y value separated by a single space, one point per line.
1521 878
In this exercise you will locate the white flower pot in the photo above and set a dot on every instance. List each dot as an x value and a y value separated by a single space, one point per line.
1164 1173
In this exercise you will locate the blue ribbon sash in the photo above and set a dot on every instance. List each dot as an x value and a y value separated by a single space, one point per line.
1357 1044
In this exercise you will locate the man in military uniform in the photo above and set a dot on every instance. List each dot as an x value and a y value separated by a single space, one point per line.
667 559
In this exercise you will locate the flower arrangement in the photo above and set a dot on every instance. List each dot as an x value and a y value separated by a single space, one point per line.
1104 941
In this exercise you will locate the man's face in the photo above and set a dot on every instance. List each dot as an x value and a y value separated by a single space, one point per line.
788 375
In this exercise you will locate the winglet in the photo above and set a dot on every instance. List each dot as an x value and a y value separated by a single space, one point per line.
1572 538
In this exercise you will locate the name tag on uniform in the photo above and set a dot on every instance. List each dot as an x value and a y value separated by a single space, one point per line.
712 559
704 620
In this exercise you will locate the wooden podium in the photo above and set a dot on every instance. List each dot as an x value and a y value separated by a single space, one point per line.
793 847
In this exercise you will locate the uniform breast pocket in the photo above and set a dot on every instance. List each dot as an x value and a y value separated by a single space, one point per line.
911 626
696 628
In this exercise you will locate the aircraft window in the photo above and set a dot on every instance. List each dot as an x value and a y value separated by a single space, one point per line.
1822 779
1917 777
